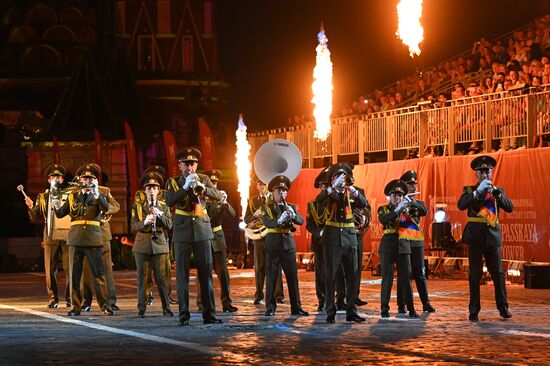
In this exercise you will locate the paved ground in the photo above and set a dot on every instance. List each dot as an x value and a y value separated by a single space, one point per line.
32 334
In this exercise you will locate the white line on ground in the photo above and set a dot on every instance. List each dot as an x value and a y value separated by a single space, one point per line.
522 333
212 351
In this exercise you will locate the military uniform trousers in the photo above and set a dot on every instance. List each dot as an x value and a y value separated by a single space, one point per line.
335 257
167 278
340 277
387 261
275 260
418 273
51 261
259 272
93 256
144 264
220 269
88 282
202 251
319 263
493 260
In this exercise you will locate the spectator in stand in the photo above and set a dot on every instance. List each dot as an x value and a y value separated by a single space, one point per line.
489 85
384 103
458 92
514 79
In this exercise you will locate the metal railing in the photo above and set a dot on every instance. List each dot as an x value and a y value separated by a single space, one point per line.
492 121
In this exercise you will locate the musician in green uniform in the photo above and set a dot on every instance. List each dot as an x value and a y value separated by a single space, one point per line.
253 217
217 210
151 219
483 202
412 233
54 242
85 240
192 233
339 240
279 218
393 250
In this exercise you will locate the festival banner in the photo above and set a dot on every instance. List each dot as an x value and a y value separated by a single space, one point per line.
132 159
207 145
170 150
523 174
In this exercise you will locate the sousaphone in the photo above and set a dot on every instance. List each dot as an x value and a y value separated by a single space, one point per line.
275 157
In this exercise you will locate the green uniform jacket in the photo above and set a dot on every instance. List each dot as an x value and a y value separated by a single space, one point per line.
417 209
336 205
143 243
38 215
216 212
390 242
80 209
114 207
190 228
480 233
279 241
315 222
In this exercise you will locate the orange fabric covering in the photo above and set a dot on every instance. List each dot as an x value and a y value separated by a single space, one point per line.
524 175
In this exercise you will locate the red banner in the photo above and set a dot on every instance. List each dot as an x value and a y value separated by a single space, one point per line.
524 175
171 150
56 154
207 145
132 159
97 145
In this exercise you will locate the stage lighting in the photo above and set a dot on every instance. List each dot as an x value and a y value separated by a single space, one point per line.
440 215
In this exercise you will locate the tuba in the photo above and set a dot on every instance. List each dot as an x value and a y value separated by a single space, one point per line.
275 157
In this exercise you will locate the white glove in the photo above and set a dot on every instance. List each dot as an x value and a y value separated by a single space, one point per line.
292 213
282 218
95 189
485 183
321 233
401 206
339 182
258 213
188 180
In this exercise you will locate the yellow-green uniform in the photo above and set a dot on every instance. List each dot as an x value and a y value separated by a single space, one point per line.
87 279
52 247
150 253
85 240
192 233
315 222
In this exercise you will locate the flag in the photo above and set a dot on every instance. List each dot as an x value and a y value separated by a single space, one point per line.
170 149
207 145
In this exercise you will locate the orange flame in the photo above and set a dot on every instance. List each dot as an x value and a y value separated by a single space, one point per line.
322 89
244 167
409 28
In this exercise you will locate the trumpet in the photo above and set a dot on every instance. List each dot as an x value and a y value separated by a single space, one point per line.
289 218
495 192
197 187
407 197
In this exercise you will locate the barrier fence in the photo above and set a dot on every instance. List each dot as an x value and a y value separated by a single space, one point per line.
488 122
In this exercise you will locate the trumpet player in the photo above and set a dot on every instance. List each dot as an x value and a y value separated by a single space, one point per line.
482 234
339 240
151 218
192 233
410 231
280 248
253 214
315 222
391 250
87 279
217 210
85 239
57 242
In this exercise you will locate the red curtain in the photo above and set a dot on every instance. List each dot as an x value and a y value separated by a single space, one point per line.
132 159
170 149
207 145
524 175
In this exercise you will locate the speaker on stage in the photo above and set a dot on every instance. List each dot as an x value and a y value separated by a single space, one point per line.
537 276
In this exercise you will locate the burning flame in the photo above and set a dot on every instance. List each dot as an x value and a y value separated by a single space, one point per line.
322 88
244 167
409 28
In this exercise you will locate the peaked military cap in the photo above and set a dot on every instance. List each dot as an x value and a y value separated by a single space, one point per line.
409 177
395 186
156 169
338 169
56 169
88 170
322 178
483 162
189 154
214 174
151 179
280 181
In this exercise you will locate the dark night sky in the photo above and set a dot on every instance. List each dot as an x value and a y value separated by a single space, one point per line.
267 48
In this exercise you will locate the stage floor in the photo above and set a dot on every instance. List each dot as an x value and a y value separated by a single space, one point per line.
32 334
